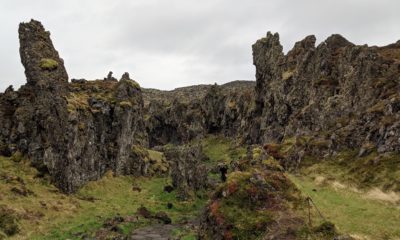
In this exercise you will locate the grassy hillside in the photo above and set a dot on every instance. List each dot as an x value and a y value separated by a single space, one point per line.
42 212
352 211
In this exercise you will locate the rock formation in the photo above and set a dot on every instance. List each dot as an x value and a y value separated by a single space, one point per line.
188 172
74 131
344 93
39 57
189 113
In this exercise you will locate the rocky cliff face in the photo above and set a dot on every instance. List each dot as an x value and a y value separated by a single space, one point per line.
185 114
344 93
74 131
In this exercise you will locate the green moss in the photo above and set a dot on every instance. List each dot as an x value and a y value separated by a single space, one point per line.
287 75
184 233
48 64
247 223
222 150
140 151
125 104
77 102
100 90
132 83
272 164
157 163
136 84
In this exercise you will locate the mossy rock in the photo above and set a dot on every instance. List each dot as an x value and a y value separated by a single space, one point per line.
245 205
156 162
140 151
257 152
17 156
8 221
272 164
48 64
327 229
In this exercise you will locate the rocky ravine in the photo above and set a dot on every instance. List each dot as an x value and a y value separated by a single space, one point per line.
343 94
78 130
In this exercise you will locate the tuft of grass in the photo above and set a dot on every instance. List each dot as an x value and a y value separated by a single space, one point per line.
125 104
8 221
184 233
287 75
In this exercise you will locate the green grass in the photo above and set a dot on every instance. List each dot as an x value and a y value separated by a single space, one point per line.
49 214
351 212
184 233
116 197
222 150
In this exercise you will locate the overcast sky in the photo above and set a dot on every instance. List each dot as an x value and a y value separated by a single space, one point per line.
171 43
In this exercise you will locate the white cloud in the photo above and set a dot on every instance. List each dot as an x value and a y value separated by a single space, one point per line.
171 43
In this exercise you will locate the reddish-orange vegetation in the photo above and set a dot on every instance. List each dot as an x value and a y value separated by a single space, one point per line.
214 207
273 150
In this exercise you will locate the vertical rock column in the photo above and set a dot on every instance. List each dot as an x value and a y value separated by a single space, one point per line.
38 55
42 117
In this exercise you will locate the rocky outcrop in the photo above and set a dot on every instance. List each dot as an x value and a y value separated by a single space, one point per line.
104 121
346 94
74 131
190 113
188 172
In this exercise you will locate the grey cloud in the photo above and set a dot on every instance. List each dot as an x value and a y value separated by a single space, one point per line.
171 43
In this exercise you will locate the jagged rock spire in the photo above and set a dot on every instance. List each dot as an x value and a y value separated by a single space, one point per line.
38 55
125 76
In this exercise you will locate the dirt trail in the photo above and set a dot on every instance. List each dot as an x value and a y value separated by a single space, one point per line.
154 232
